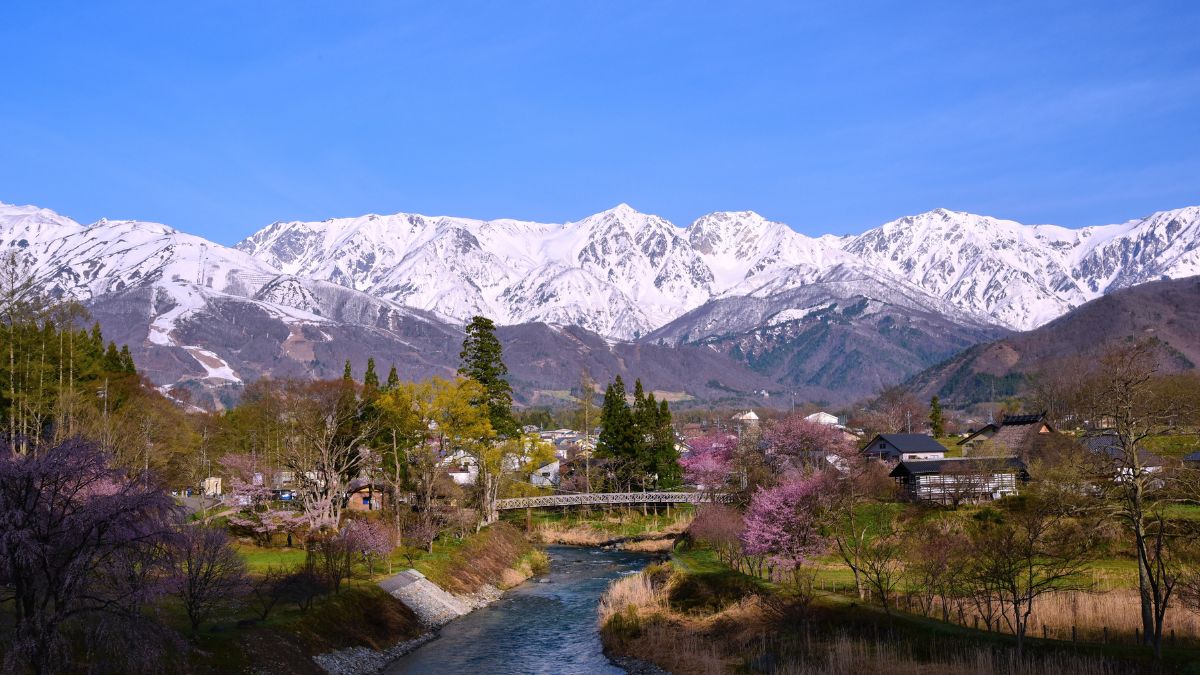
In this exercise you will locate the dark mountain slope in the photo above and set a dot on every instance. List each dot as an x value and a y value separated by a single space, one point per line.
1166 310
826 342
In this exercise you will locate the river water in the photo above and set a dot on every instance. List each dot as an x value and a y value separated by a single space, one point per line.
538 627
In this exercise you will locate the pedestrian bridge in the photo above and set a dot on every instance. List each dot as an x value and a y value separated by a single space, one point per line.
594 498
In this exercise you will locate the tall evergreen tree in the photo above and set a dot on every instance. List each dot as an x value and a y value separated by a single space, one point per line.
371 378
127 364
112 359
347 373
937 424
645 414
482 360
393 379
97 338
618 437
665 457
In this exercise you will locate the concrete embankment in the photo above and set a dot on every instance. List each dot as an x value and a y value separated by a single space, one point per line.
432 604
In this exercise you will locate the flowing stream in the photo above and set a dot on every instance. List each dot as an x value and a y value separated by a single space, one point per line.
546 625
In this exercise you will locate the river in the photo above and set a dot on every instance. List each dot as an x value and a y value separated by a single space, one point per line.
546 625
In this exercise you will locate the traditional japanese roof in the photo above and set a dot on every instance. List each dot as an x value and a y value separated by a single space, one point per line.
908 443
1015 420
918 467
1016 432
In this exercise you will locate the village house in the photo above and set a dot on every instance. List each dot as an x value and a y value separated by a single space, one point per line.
892 448
746 421
546 476
823 418
957 480
364 495
1013 434
1109 446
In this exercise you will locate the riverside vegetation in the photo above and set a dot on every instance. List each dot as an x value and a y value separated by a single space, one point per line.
1093 568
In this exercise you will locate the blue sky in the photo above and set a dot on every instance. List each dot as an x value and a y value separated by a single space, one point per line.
219 118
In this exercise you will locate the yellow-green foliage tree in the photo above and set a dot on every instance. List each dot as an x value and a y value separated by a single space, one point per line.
424 425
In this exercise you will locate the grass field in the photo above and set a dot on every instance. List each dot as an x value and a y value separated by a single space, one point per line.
703 617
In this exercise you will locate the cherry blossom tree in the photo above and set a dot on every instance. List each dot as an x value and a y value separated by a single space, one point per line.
782 523
263 523
247 485
708 464
80 546
804 442
374 540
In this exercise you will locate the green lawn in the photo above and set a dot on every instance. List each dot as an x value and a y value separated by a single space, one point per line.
258 559
1172 446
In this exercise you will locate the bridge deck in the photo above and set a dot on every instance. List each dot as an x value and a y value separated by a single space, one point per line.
607 498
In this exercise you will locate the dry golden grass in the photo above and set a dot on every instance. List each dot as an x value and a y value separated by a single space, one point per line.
635 591
637 620
571 535
1118 610
649 545
511 577
851 656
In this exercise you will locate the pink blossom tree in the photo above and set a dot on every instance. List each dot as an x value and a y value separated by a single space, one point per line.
804 442
374 540
247 482
708 464
782 523
265 522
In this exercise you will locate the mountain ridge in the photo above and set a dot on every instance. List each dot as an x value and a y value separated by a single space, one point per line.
780 307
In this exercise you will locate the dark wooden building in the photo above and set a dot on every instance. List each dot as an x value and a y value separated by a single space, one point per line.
957 480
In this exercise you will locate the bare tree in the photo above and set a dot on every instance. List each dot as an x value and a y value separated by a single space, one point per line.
209 574
329 423
1128 401
1024 553
853 510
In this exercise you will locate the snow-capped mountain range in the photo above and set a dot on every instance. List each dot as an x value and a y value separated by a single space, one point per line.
408 279
623 273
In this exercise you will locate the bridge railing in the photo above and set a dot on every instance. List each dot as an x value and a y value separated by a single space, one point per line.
593 498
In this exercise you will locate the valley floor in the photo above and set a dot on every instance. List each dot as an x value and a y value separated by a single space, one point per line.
694 614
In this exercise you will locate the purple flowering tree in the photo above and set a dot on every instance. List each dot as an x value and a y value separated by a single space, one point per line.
782 524
80 546
374 540
709 463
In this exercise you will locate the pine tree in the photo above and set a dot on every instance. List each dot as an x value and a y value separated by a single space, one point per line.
112 359
127 364
97 338
482 361
371 378
666 459
393 379
936 422
347 373
617 439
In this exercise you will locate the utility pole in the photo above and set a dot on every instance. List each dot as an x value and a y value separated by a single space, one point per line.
908 421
